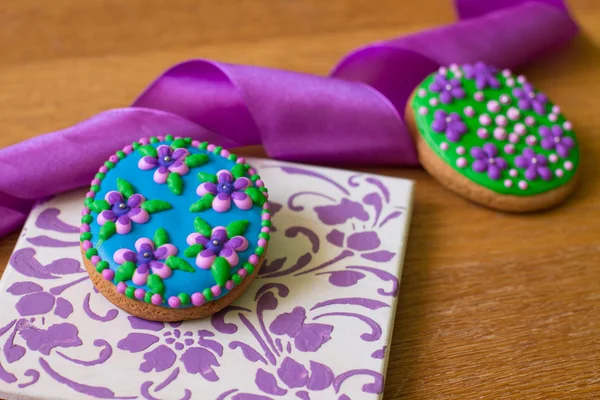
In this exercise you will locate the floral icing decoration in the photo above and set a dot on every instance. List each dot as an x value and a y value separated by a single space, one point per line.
502 134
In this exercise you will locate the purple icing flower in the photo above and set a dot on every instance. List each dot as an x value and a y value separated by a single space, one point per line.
484 75
528 99
147 259
448 89
534 164
218 245
122 213
486 160
450 124
168 160
226 189
553 138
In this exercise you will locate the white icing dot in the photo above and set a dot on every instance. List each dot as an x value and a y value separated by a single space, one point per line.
553 158
510 82
552 117
522 185
568 165
500 133
506 73
531 140
555 109
469 111
433 102
530 121
559 172
423 110
568 125
513 113
483 133
513 172
478 96
460 150
501 120
504 99
422 92
458 74
493 106
513 138
444 146
508 183
485 119
461 162
520 129
443 71
521 79
453 67
509 148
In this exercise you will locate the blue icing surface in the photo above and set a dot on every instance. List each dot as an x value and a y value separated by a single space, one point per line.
178 221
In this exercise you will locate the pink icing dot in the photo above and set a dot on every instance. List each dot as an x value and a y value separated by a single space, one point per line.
210 147
513 172
251 171
433 102
555 109
259 183
229 285
460 150
510 82
500 133
86 245
160 138
530 121
113 159
501 120
568 165
265 229
493 106
568 125
443 71
522 185
513 113
156 299
253 259
506 73
504 99
453 67
461 162
242 272
262 242
198 299
89 194
513 138
531 140
469 111
177 137
444 146
508 183
423 110
85 211
422 92
139 293
266 194
174 302
95 259
521 79
559 172
195 143
553 158
552 117
84 228
108 274
266 217
478 96
520 129
144 141
266 206
121 286
103 169
458 74
225 153
241 160
95 182
128 149
216 290
482 133
509 149
485 119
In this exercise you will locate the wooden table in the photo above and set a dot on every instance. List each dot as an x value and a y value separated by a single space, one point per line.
491 305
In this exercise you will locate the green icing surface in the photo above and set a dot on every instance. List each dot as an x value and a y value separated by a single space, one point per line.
507 184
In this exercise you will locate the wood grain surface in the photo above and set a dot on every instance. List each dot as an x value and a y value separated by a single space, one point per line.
492 306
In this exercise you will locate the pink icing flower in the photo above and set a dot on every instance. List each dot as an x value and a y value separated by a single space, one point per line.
168 160
226 189
122 213
218 245
147 259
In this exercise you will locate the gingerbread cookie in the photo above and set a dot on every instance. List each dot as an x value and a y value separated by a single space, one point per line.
174 229
493 138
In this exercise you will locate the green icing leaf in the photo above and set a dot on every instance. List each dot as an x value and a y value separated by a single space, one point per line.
148 151
125 188
196 160
202 227
193 250
220 271
160 237
99 206
178 143
179 263
203 204
125 272
206 177
257 197
155 283
238 171
175 183
154 206
107 230
236 228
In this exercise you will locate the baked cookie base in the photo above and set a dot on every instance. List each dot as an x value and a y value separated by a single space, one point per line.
463 186
153 312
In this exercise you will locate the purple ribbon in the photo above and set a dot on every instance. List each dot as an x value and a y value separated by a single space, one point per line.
354 116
